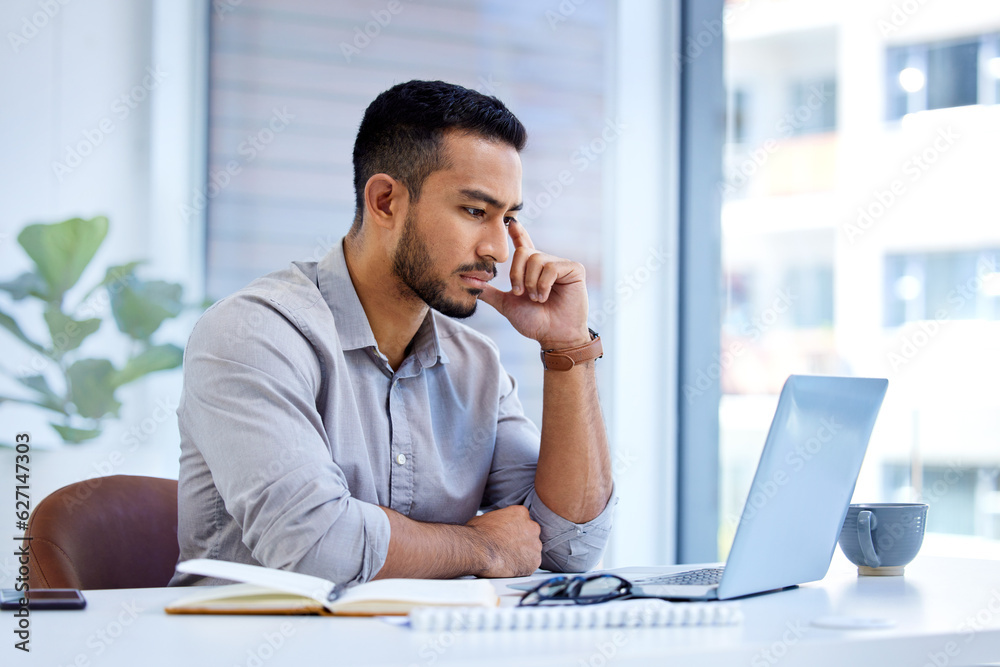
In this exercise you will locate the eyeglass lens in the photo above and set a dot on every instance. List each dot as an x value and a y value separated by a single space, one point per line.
594 588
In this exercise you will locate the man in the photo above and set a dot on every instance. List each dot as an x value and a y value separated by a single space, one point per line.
336 421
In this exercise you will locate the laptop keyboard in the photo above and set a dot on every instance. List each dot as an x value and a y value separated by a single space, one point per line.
708 576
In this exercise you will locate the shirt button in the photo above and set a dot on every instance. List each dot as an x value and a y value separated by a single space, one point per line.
401 459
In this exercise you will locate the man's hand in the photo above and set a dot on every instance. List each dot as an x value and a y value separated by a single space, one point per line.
548 297
510 540
501 543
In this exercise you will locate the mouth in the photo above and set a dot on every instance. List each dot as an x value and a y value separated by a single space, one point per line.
477 280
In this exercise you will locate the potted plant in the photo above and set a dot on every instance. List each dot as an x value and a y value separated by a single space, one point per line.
76 391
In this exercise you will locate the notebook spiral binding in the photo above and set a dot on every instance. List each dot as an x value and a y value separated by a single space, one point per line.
624 614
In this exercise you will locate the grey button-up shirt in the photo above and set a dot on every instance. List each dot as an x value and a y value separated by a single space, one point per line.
294 429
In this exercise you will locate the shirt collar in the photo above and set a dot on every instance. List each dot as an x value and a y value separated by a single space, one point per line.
427 343
355 332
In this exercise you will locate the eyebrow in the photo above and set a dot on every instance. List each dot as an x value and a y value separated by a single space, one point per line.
492 201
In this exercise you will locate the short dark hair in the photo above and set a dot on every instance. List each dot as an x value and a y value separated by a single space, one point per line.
402 129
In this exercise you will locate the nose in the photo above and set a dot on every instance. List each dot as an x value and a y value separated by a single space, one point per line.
493 243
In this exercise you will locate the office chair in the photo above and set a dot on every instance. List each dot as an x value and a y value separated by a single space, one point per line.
108 532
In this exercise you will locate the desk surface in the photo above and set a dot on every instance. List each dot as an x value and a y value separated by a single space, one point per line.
946 612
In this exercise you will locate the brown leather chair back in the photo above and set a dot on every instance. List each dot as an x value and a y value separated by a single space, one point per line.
108 532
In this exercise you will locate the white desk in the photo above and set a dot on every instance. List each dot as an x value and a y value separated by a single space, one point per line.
934 606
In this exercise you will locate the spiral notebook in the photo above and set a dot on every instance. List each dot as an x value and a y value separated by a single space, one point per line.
645 613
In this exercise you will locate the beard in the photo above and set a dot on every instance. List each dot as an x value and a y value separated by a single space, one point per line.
412 264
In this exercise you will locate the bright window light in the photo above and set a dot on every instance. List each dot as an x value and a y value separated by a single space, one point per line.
912 79
991 284
994 67
908 288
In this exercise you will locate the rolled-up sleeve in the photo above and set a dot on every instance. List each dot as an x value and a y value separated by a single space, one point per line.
249 409
566 546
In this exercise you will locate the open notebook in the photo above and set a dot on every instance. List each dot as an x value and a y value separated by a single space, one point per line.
269 591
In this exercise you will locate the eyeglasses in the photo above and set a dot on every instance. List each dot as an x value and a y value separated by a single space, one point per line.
580 589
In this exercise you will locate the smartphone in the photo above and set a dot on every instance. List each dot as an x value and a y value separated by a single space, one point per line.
43 598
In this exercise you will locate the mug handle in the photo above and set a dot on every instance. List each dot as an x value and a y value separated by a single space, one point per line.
867 521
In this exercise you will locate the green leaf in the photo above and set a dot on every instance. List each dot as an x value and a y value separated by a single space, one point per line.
75 435
62 250
140 307
7 322
122 273
39 384
67 333
92 388
28 283
28 401
150 360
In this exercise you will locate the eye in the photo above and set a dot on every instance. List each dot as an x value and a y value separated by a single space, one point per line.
475 212
508 220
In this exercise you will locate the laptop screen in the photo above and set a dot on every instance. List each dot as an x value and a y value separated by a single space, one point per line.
804 483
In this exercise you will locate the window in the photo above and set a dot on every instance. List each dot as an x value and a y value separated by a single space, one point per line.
736 128
813 107
940 75
942 285
883 237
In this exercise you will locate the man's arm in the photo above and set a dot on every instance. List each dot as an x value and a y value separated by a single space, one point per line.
573 478
249 404
548 303
501 543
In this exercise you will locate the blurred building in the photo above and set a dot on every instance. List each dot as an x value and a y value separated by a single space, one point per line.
861 236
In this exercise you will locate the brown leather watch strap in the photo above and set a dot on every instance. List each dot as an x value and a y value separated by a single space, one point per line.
563 360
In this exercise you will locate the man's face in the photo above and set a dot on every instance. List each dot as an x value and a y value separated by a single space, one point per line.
456 234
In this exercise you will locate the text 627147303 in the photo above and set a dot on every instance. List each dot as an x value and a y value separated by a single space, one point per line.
22 508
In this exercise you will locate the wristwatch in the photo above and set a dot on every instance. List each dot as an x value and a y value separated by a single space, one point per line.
563 360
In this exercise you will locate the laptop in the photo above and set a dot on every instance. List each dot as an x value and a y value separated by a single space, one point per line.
798 499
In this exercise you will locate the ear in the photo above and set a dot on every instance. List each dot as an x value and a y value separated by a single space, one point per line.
385 201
